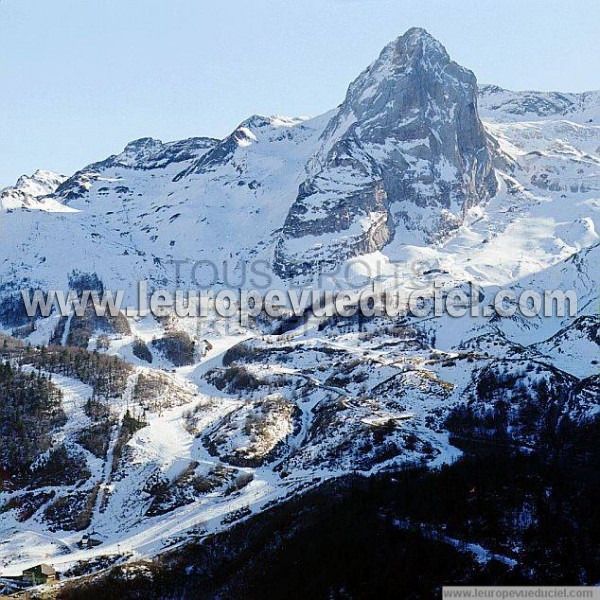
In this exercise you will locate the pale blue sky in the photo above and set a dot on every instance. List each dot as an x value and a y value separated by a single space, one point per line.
78 79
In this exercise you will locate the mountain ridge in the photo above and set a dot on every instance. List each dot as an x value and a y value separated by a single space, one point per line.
171 429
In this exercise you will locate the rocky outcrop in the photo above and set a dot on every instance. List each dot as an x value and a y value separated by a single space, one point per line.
144 154
404 156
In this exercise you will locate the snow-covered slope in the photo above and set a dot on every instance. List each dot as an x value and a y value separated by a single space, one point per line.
31 191
498 104
133 215
416 175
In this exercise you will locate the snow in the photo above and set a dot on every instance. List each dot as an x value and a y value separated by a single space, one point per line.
142 211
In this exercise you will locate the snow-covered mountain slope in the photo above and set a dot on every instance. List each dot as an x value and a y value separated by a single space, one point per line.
140 212
498 104
133 215
31 191
416 176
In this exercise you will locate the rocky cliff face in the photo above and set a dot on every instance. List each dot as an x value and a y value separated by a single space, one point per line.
404 156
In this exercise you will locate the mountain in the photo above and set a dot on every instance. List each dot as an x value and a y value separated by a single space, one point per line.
405 155
146 433
30 191
505 105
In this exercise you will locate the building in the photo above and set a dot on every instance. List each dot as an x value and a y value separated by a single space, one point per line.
40 574
89 540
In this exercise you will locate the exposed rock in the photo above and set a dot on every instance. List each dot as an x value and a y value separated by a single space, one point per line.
405 156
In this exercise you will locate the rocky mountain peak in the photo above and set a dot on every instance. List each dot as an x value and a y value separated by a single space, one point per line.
403 158
416 56
145 145
416 47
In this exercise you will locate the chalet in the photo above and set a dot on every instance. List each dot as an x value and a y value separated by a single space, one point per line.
40 574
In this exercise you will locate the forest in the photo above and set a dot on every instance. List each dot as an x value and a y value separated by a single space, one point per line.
396 535
30 409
